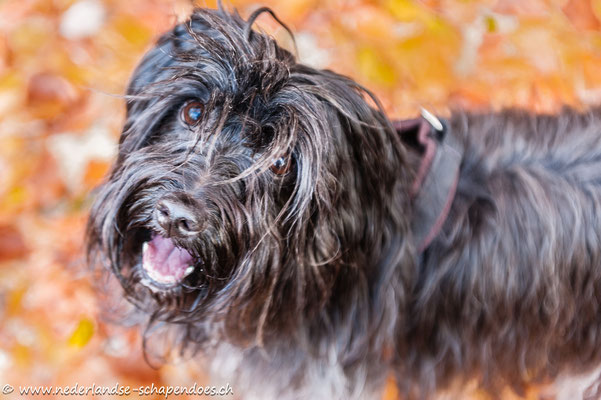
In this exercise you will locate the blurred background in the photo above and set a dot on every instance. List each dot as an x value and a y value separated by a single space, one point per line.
64 65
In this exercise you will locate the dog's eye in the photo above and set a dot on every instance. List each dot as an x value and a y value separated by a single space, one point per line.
281 165
191 112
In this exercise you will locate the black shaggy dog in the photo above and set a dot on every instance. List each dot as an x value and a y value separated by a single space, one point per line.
308 247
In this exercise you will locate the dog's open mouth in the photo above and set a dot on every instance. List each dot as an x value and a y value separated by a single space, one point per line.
164 264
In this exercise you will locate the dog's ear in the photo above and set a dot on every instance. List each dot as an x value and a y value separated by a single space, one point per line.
155 65
154 68
172 47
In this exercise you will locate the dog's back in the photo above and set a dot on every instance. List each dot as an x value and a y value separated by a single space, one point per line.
511 287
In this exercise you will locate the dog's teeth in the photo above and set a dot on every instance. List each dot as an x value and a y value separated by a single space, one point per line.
144 247
189 270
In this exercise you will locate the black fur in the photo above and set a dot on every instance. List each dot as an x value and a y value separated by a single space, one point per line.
310 278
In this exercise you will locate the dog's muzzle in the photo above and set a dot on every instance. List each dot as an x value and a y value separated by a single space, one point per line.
164 264
177 218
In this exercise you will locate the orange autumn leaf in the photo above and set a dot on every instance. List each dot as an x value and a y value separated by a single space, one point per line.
12 245
95 172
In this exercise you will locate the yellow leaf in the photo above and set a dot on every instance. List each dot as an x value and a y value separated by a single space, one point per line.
132 30
491 24
17 195
406 10
15 298
21 354
374 68
10 80
82 333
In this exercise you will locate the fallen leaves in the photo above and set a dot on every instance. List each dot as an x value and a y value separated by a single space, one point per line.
64 65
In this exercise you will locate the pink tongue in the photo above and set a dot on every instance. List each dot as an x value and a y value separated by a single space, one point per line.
163 262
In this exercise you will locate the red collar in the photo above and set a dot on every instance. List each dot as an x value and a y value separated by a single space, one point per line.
435 183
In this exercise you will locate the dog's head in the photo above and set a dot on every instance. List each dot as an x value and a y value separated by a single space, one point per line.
252 192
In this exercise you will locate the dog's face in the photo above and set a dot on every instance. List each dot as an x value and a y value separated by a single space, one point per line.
250 191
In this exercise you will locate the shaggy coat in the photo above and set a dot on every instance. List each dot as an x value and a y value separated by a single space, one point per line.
306 281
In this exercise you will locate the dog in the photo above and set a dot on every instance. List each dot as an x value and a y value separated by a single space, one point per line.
304 245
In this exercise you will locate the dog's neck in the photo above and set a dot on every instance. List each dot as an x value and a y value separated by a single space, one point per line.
437 174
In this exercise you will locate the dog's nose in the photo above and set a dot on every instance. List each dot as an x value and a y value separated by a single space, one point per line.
177 218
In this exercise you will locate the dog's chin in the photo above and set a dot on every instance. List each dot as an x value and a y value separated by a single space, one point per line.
165 266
